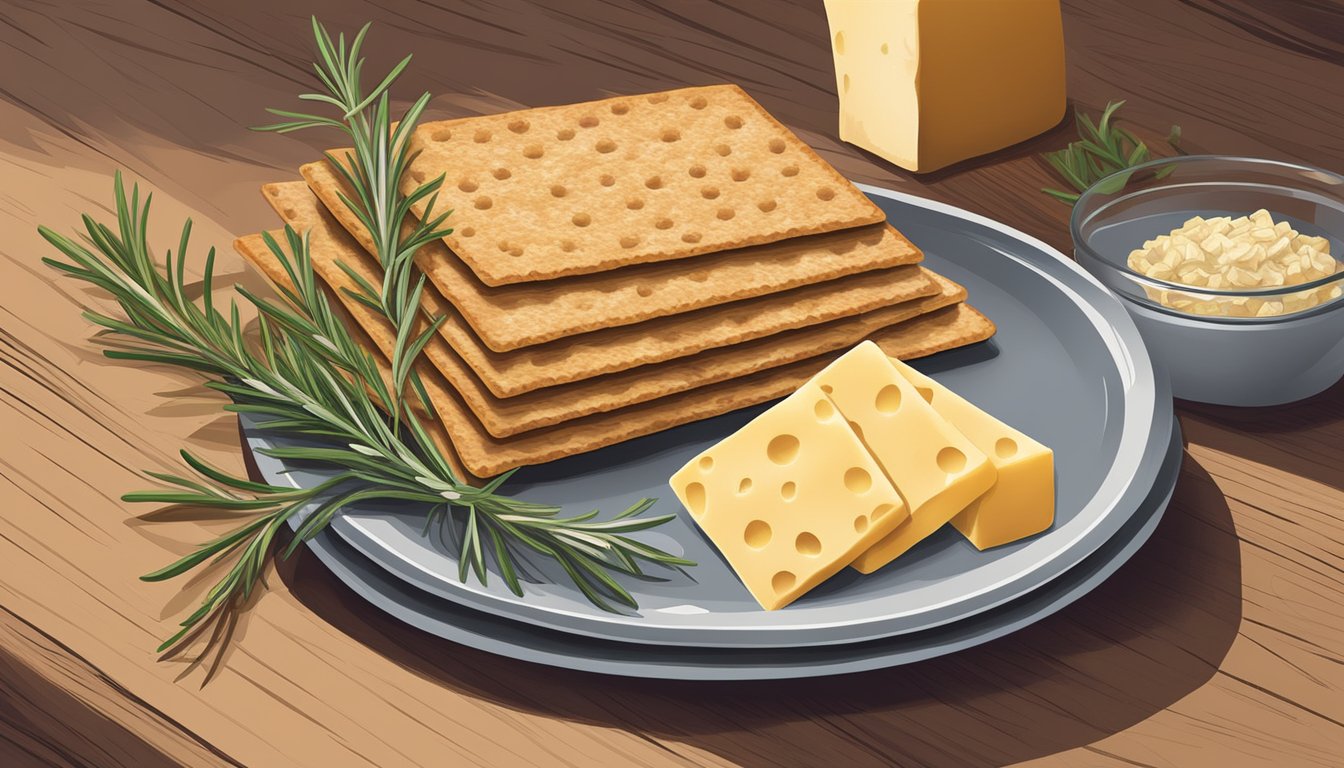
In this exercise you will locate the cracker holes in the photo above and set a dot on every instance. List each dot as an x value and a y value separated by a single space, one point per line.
777 146
697 171
468 232
741 174
629 241
644 291
481 136
657 98
291 214
483 203
443 134
663 223
690 237
558 190
723 150
733 121
564 134
533 151
620 108
581 220
607 180
825 193
588 121
467 185
726 214
767 206
418 175
670 135
567 246
605 146
709 193
789 170
698 102
634 203
519 126
501 174
654 182
699 276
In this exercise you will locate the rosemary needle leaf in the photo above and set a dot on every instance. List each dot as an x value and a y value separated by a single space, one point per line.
1102 149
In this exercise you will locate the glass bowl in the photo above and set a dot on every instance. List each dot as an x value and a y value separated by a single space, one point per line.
1231 346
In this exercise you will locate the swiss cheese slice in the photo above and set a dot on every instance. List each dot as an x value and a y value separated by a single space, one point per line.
936 469
1022 501
927 83
790 498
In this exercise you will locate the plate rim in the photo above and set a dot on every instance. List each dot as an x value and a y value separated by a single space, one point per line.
325 546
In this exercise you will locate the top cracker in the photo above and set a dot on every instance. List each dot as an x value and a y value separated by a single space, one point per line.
555 191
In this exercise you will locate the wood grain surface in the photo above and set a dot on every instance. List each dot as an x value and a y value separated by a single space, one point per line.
1220 643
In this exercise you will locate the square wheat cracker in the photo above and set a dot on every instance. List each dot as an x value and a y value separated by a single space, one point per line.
582 188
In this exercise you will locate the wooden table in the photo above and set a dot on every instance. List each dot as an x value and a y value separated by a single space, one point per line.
1221 643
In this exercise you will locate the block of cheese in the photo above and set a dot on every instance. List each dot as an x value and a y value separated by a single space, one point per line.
790 498
937 470
1022 501
927 83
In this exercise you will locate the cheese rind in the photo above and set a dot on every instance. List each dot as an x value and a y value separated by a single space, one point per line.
1022 501
791 498
937 470
927 83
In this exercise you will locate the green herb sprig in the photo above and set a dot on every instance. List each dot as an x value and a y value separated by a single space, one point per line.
1103 148
305 376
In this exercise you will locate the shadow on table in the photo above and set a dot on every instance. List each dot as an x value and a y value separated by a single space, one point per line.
1155 631
1298 438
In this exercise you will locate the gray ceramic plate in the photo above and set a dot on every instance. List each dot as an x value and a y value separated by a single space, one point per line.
1066 366
450 620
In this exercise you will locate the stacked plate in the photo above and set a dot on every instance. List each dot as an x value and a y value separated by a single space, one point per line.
1066 366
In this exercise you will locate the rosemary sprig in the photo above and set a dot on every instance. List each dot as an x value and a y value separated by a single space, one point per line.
1102 148
305 376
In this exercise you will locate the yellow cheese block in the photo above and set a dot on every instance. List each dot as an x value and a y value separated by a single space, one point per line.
937 470
790 498
1022 501
927 83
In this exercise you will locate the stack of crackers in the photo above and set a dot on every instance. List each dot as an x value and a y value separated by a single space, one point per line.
624 266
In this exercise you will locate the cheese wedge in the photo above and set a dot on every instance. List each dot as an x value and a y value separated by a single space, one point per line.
1022 501
927 83
937 470
790 498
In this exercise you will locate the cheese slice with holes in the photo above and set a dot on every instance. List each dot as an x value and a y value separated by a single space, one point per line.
937 470
1022 501
927 83
791 498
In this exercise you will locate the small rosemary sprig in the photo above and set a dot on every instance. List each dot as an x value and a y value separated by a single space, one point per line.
1102 148
305 376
